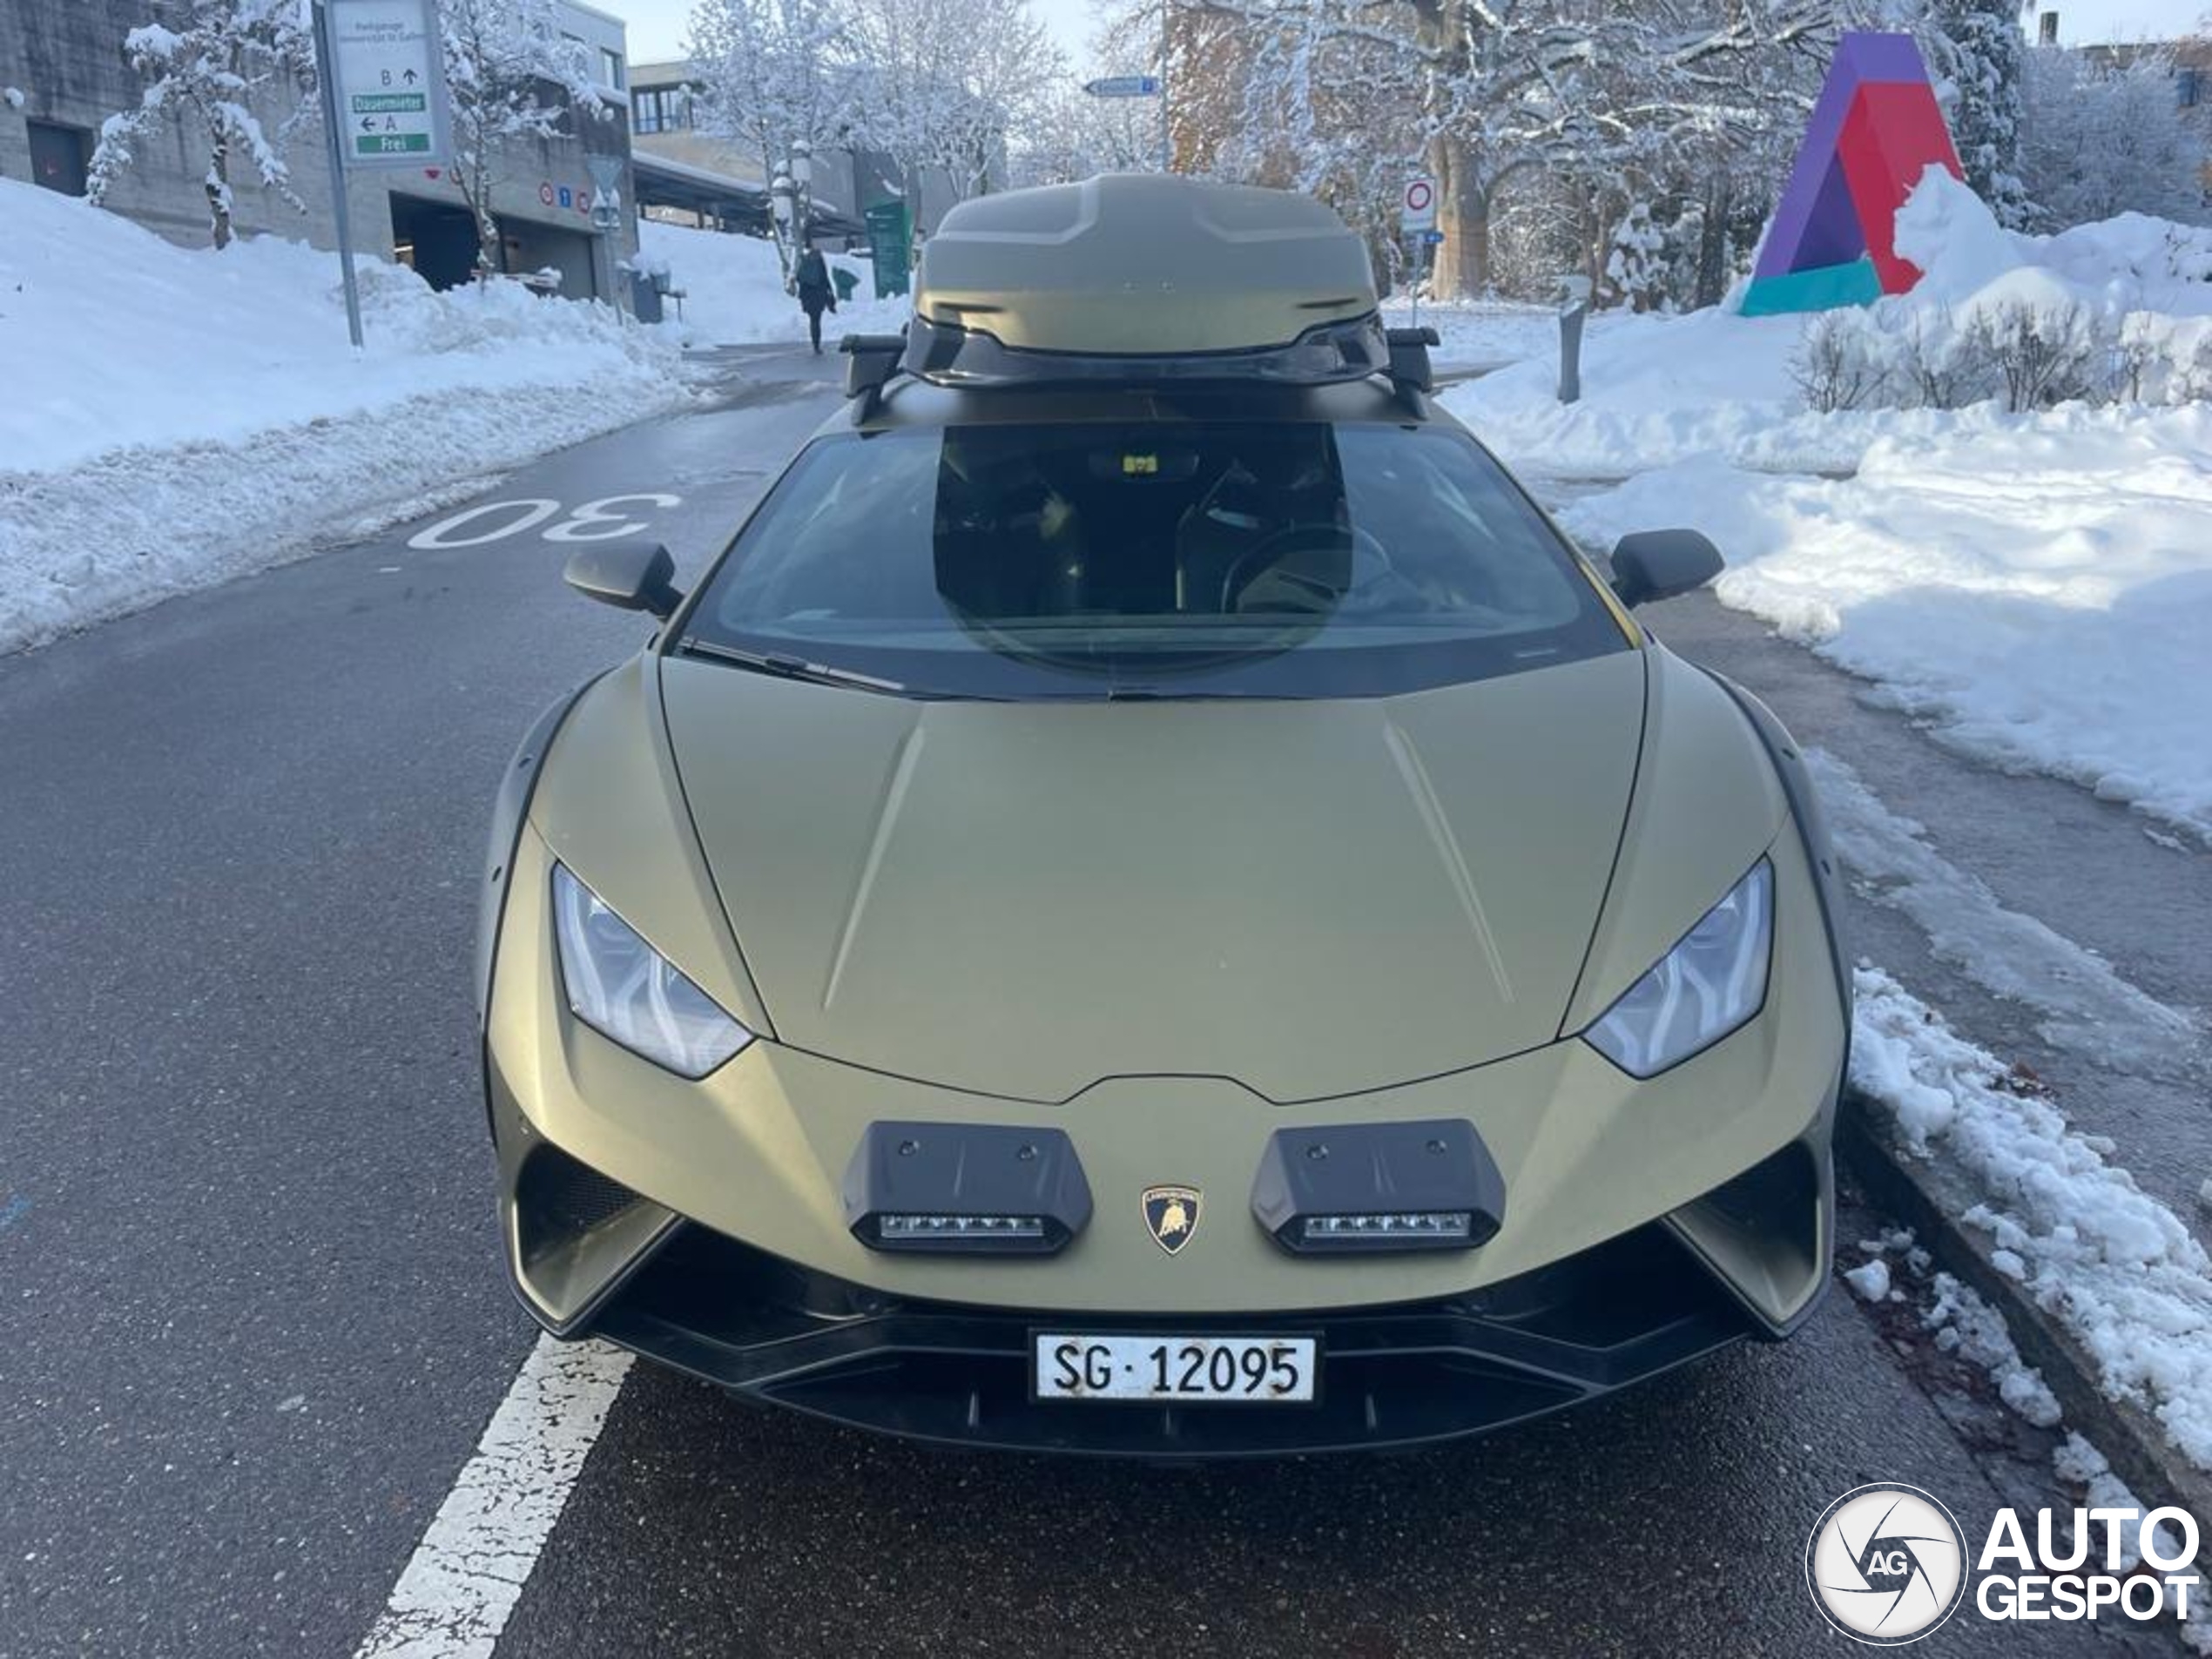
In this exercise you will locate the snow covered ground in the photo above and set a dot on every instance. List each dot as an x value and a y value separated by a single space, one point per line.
174 417
1657 390
2113 1266
2041 593
733 291
2037 586
1484 333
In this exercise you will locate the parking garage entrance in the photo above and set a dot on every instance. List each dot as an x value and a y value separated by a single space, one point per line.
437 240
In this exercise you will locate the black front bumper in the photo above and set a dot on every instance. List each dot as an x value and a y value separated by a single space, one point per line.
958 1375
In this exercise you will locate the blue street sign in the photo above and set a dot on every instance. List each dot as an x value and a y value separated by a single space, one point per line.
1125 86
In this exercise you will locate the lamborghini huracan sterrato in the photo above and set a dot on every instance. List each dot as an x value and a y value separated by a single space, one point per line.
1150 902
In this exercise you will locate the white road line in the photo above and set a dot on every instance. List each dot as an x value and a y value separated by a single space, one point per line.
454 1596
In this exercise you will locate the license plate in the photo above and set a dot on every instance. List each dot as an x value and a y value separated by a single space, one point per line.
1240 1370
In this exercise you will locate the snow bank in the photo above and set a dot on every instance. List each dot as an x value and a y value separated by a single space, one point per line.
733 289
2116 1267
1482 334
1658 391
2039 587
172 416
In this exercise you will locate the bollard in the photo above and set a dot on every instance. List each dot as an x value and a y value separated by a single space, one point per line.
1574 306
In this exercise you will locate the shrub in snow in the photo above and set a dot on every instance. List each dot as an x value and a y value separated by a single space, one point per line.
1945 366
1637 265
1840 362
2044 352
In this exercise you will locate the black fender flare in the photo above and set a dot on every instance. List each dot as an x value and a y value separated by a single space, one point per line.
1790 770
508 809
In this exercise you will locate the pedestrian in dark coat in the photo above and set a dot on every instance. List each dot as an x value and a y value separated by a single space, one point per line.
815 293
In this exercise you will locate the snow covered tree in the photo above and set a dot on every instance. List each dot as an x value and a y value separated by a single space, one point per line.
950 85
510 75
774 73
1075 135
1976 48
1501 89
209 74
2107 139
1637 265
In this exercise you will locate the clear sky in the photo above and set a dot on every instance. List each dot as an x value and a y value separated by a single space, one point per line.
656 26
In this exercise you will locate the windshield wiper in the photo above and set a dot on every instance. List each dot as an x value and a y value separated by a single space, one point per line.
792 668
1119 694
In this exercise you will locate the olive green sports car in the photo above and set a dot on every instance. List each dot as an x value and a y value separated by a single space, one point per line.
1149 902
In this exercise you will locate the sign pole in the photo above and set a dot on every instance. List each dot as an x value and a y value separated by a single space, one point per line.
340 210
1143 86
1167 145
1417 223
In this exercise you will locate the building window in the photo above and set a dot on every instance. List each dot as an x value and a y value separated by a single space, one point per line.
2046 30
610 69
59 156
664 109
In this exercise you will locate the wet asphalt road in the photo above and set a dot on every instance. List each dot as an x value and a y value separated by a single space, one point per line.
253 1322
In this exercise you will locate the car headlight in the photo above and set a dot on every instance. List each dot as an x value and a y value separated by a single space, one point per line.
626 990
1713 981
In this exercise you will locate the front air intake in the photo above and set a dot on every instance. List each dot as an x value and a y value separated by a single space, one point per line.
559 1197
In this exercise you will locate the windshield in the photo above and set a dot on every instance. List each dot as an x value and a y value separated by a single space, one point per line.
1261 559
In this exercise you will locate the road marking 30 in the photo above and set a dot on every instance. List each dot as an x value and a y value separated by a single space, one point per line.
455 1595
595 521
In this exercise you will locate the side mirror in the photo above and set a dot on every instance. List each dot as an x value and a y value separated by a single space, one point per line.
630 576
1661 564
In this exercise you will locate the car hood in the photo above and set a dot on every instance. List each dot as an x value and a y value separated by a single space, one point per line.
1311 897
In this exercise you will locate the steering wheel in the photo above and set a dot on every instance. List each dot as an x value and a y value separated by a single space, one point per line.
1256 564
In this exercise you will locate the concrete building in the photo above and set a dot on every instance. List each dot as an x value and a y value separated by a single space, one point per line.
63 74
708 179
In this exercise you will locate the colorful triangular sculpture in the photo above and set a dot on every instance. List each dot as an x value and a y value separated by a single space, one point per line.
1875 131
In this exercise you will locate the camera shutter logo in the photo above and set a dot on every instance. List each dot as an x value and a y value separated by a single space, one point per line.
1887 1564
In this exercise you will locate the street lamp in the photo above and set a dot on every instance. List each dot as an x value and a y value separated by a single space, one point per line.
802 173
780 193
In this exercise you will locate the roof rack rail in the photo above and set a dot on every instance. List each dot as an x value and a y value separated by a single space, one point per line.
950 355
1410 371
871 361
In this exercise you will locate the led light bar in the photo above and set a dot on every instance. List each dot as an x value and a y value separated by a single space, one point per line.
1350 1188
920 1229
974 1189
1388 1230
